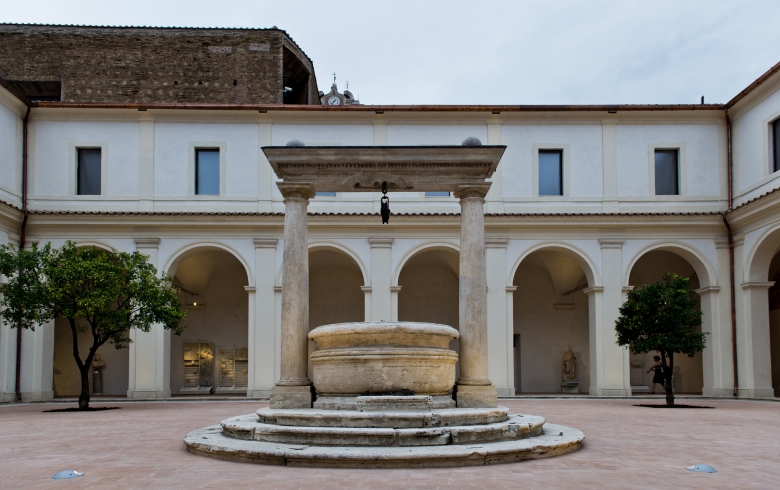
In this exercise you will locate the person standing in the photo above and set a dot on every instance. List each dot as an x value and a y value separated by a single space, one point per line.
658 377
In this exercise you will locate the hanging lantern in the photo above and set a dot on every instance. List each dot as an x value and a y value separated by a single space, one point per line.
385 205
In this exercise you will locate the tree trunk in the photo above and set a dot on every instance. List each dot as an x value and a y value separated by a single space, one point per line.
668 372
84 396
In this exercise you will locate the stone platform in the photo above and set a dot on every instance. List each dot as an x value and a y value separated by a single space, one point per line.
390 439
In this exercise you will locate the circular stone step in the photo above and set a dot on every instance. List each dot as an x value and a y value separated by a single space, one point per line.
446 417
555 440
246 427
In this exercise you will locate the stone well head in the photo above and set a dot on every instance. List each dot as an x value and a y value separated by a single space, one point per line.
379 357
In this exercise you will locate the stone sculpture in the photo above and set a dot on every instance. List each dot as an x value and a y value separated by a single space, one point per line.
97 375
569 367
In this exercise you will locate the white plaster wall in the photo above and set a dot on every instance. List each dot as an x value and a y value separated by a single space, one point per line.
634 157
172 156
10 155
585 157
54 164
752 147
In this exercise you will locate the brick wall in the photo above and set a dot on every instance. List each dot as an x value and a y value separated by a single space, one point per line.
110 64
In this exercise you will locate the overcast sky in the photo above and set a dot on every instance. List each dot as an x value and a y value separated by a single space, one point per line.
486 51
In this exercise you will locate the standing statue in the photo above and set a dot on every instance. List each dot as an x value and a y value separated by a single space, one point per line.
569 367
97 375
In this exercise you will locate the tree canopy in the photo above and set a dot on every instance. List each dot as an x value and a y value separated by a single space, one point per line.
663 317
103 293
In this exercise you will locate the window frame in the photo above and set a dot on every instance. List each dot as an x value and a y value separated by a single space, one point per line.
682 187
564 148
774 154
73 183
194 146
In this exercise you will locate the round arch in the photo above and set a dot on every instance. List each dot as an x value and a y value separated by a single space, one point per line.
94 243
420 248
181 254
700 264
579 256
760 257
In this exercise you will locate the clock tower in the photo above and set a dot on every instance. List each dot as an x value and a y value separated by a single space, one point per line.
334 98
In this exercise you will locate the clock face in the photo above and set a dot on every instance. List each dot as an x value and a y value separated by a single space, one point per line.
334 101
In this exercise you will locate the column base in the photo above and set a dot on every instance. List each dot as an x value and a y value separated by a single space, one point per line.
756 392
258 393
292 396
148 394
36 396
475 396
718 392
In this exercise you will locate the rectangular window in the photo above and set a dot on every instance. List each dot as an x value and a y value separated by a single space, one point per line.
325 194
550 172
88 173
666 173
776 144
207 171
437 194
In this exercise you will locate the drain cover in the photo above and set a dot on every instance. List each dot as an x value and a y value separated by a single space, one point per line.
702 468
65 474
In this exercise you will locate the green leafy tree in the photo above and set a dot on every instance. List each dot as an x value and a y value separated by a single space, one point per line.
103 293
662 317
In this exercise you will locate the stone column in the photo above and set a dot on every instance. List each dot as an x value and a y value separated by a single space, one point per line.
473 389
381 279
294 389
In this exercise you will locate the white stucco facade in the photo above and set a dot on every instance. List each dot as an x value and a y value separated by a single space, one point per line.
590 238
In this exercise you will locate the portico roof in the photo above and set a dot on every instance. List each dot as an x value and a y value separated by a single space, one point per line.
365 168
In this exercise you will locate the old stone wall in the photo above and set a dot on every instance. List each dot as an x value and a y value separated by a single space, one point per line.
131 65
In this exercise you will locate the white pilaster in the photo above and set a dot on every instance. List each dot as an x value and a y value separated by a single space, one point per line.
146 164
394 290
720 339
753 345
495 198
7 360
498 328
616 379
609 165
510 331
262 328
150 352
381 279
367 290
38 363
265 174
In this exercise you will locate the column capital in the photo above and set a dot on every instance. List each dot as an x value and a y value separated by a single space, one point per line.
707 289
480 190
381 242
395 289
593 289
277 289
496 242
147 242
611 243
250 289
721 242
738 240
627 289
265 242
365 289
511 289
757 285
300 190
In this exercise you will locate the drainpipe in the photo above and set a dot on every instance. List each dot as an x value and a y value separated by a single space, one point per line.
21 246
731 256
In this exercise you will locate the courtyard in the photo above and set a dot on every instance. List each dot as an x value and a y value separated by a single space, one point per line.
140 446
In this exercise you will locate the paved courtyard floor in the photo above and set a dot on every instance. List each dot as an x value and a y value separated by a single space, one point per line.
140 446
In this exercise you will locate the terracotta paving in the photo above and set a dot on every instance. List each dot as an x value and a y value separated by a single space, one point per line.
140 446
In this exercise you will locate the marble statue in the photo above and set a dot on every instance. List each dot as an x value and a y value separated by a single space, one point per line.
97 375
569 367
